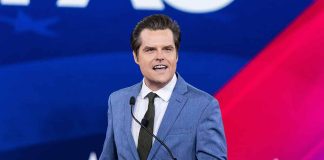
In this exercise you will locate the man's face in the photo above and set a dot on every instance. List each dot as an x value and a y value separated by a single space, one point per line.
157 57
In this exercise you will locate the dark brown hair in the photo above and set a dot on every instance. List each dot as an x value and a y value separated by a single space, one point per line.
155 22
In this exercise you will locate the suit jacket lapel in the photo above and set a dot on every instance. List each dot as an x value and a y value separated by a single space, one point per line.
175 106
134 91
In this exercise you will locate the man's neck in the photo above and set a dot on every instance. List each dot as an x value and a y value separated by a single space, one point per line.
155 86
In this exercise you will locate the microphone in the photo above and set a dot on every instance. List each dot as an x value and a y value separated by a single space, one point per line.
144 122
144 125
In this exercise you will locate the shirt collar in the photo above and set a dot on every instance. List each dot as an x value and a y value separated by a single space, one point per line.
164 93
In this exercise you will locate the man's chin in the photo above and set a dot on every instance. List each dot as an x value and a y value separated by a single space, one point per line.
156 84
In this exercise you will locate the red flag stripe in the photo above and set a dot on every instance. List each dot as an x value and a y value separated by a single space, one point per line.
273 108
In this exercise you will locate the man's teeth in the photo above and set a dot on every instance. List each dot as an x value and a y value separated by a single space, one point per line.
160 67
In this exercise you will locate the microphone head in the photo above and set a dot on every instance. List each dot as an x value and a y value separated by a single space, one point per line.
132 101
145 122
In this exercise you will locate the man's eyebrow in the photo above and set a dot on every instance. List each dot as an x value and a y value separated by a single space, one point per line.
148 47
169 46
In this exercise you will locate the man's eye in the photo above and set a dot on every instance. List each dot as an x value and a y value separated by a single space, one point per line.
169 49
148 49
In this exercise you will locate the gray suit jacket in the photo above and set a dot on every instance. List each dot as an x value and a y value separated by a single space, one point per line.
191 127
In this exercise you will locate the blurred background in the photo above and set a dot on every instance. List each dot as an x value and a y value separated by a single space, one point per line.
60 59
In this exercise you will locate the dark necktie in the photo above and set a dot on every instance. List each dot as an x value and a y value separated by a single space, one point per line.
144 139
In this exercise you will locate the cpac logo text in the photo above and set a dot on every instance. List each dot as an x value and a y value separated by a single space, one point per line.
189 6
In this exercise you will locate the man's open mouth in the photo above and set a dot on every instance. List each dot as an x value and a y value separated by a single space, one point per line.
160 67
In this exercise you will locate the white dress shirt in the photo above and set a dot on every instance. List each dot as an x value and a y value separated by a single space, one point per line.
161 103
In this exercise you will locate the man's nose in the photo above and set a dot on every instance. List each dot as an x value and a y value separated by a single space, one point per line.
159 55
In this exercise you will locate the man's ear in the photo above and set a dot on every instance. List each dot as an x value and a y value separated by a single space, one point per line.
135 57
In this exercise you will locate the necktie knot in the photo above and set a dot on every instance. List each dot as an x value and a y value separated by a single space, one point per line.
151 96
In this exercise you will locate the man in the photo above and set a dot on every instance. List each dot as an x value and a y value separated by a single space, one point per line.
186 119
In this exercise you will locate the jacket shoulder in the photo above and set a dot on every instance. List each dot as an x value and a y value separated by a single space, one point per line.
123 93
200 95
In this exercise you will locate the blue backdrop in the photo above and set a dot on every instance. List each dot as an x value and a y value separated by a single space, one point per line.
58 64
